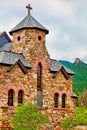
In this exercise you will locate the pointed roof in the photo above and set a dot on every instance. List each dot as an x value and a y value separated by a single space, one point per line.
29 23
9 58
66 75
21 65
56 66
73 95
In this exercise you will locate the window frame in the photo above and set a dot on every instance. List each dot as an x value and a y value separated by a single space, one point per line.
10 97
39 85
39 75
56 100
20 97
63 100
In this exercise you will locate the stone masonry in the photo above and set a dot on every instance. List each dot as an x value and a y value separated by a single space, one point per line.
35 51
5 119
31 42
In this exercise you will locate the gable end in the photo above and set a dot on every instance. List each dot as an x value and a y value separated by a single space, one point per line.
23 68
66 75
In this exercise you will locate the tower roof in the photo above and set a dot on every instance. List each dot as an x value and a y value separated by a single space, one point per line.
29 23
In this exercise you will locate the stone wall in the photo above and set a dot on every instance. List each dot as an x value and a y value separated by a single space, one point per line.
33 49
17 80
32 44
5 119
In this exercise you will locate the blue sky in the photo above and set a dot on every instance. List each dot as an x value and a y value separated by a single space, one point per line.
66 21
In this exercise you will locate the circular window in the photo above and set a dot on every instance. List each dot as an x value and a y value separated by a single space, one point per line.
18 38
39 38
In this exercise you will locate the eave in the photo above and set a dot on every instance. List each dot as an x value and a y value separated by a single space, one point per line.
23 68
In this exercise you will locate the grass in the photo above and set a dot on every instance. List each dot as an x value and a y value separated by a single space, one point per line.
81 119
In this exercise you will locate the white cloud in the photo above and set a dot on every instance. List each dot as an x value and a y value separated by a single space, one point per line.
65 19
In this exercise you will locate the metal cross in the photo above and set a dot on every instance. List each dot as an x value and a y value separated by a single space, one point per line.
29 8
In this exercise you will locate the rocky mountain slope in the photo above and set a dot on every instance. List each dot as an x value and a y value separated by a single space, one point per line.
80 78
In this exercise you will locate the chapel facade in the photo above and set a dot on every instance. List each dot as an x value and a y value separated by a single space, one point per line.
27 74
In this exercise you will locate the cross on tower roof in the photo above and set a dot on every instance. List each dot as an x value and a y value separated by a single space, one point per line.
29 8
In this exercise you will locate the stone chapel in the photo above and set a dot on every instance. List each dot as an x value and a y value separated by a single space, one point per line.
28 74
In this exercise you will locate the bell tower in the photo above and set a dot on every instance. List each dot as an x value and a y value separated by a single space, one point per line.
29 38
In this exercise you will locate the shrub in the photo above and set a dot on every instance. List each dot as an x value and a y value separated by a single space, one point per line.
28 117
81 119
81 116
67 123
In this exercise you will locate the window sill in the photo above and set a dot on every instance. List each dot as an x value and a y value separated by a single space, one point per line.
7 106
40 108
62 109
4 106
11 106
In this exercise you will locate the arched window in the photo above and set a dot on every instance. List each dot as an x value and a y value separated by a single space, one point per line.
10 97
39 75
39 85
63 100
56 100
20 97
